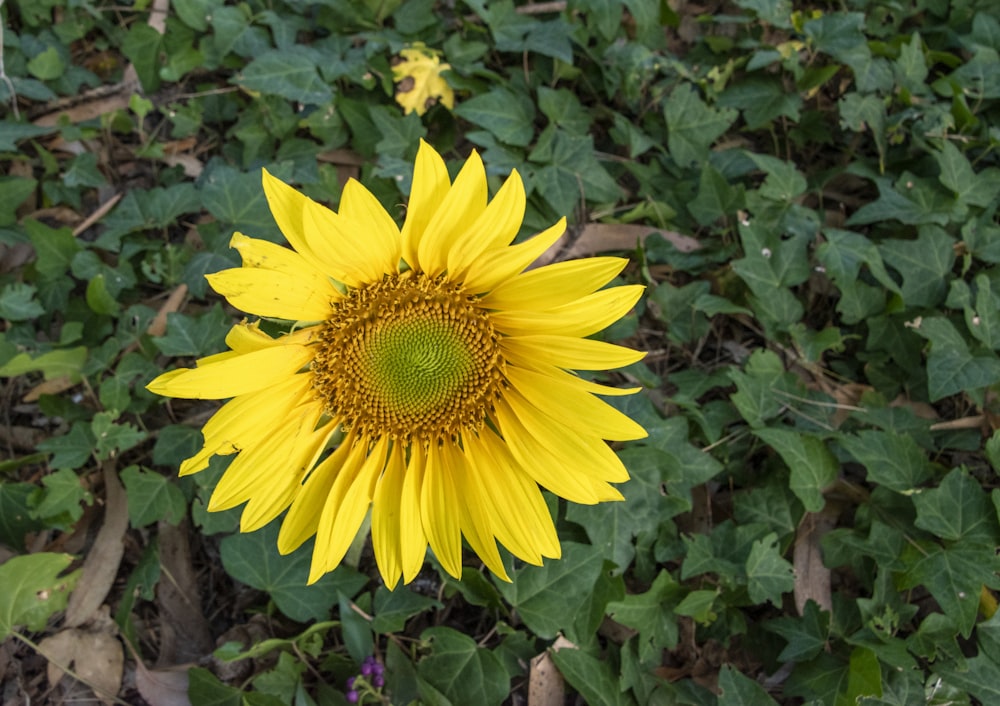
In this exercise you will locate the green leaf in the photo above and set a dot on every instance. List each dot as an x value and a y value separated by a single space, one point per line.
955 576
614 527
507 115
16 516
768 573
968 186
152 497
892 460
570 172
70 450
290 73
54 247
981 675
739 690
394 608
254 559
63 496
113 438
461 670
699 605
755 396
812 465
564 109
205 689
692 125
823 677
237 199
762 100
951 366
549 597
925 265
957 509
10 134
651 613
194 336
860 112
355 630
864 678
593 678
716 198
806 636
48 65
783 183
18 302
33 590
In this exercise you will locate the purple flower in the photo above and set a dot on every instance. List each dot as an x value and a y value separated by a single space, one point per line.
378 681
350 682
352 696
367 669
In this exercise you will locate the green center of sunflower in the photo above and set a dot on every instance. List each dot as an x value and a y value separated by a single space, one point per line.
409 357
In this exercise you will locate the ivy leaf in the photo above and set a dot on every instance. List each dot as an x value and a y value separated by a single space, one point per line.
16 516
740 690
968 186
112 438
762 100
692 125
955 576
507 115
194 336
18 302
651 613
593 678
892 460
806 636
768 573
253 558
951 366
570 171
33 590
152 497
810 462
957 509
12 132
63 496
290 73
393 608
461 670
981 675
70 450
549 597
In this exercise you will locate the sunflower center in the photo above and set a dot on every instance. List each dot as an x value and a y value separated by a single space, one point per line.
410 357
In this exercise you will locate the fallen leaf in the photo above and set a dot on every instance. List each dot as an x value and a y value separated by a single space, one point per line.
96 657
185 635
163 687
546 686
610 237
812 578
101 565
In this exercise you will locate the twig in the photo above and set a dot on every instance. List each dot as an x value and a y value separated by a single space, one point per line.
6 78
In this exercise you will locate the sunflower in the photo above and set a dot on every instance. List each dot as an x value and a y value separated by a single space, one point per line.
428 377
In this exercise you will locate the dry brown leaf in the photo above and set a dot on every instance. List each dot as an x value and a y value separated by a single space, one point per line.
97 215
546 686
101 565
52 386
158 326
812 578
95 656
610 237
184 630
162 687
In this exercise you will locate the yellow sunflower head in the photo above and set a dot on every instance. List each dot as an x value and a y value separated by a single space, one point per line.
419 83
428 379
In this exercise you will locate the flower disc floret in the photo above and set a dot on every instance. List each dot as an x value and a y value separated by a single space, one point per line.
410 357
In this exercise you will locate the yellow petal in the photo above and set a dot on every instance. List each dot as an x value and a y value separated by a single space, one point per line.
554 285
582 317
545 466
265 255
235 376
496 266
574 407
272 465
358 259
438 512
246 419
347 506
476 519
519 515
244 338
462 205
386 528
302 519
275 294
369 223
413 539
495 228
586 453
288 207
430 185
566 352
